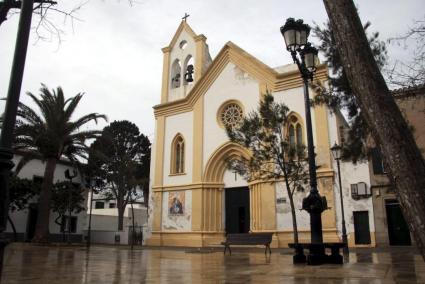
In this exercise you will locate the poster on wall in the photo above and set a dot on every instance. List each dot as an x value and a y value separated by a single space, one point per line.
176 203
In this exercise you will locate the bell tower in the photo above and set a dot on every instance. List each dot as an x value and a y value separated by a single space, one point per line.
186 59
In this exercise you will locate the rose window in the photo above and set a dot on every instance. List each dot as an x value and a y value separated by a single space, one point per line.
231 115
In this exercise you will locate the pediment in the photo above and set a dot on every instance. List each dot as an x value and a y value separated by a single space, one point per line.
183 27
231 53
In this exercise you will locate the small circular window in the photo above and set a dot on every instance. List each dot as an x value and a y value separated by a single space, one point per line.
231 115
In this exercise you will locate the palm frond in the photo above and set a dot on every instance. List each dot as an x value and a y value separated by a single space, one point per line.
71 105
50 130
87 118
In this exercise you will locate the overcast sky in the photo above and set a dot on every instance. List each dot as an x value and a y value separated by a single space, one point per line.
114 55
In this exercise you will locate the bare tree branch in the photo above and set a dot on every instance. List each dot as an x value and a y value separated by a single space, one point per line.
46 29
412 72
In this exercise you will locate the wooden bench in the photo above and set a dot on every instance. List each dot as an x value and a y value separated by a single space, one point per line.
335 257
248 239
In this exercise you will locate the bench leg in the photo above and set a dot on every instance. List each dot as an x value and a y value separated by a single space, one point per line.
268 249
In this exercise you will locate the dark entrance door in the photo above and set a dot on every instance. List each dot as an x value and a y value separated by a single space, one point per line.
398 231
32 220
361 227
237 210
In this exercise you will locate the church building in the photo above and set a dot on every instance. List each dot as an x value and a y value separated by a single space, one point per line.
194 199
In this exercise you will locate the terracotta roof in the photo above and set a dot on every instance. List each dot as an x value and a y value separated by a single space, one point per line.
409 91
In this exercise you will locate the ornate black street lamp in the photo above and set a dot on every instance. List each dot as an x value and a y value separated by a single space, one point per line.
304 55
336 153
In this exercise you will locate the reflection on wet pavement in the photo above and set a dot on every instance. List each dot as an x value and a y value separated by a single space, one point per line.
25 263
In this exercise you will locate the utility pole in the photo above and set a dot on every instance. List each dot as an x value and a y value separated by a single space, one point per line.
12 100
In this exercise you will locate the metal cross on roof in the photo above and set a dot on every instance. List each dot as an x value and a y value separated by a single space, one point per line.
186 15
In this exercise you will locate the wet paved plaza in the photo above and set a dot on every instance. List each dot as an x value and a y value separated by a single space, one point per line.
25 263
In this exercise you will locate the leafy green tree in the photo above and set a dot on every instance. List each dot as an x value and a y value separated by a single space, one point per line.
273 157
339 95
120 158
22 191
52 134
66 198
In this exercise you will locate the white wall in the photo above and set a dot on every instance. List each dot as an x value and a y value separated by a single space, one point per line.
20 219
350 174
294 100
183 124
232 84
108 237
107 219
232 180
36 168
283 210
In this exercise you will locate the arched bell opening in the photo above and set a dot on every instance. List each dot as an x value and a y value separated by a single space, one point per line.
176 69
189 70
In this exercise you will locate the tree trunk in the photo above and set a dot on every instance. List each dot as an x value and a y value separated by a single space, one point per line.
61 225
132 229
121 209
15 235
43 218
388 127
291 202
294 217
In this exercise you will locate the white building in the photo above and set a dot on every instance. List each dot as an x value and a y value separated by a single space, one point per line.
25 220
104 221
194 199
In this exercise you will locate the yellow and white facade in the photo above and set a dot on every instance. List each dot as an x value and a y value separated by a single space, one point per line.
191 147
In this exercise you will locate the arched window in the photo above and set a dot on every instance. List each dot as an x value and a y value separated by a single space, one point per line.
292 141
177 157
295 132
176 76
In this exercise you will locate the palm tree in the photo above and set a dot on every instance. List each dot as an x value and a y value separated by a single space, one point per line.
51 135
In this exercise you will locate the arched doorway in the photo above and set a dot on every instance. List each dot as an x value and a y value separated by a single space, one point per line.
235 200
236 203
